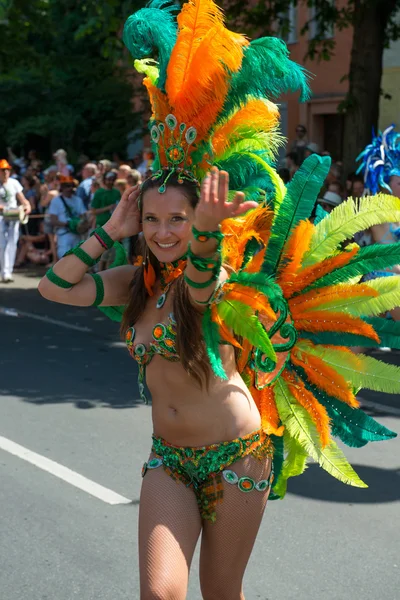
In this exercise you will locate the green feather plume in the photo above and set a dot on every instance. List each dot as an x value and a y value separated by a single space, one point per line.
370 258
359 370
241 319
347 219
153 30
266 71
298 204
299 425
293 465
212 340
389 297
277 463
351 425
149 67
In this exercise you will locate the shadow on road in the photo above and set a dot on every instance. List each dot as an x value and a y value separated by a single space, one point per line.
316 484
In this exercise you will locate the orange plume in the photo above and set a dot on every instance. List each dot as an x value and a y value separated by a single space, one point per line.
308 275
244 358
202 58
257 300
297 246
319 297
332 321
308 401
265 402
323 376
257 115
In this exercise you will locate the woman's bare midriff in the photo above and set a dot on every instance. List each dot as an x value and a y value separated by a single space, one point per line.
185 415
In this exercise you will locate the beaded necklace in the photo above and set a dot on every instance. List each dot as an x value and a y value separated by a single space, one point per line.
169 273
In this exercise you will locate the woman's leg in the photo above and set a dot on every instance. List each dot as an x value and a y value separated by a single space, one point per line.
227 544
169 527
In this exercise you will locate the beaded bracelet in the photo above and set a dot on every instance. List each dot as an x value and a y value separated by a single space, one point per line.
58 281
103 238
197 285
99 288
203 264
82 255
204 236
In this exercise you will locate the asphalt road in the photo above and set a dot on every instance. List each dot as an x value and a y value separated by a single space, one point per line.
68 393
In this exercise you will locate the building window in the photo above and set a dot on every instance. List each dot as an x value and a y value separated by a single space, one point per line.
315 30
288 23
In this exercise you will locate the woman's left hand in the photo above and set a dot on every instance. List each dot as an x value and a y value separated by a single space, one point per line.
214 207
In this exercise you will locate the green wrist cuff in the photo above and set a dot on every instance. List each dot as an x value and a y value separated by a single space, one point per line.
204 264
99 288
204 236
108 242
82 255
58 281
197 285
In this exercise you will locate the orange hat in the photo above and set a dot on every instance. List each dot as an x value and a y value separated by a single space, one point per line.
4 164
66 179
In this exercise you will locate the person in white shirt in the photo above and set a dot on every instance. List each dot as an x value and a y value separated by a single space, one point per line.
62 209
10 196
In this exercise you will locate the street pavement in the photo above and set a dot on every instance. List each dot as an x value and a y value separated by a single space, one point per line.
73 438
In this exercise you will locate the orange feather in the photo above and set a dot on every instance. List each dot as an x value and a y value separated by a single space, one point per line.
256 262
323 376
257 115
223 329
332 321
251 297
321 296
265 402
297 246
201 60
308 401
310 274
244 358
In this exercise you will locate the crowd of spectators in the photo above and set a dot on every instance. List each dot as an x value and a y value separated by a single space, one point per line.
66 204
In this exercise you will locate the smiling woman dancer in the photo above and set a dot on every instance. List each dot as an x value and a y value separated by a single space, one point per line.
239 314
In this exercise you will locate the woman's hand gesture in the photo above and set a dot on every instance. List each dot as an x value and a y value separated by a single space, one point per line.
214 207
125 220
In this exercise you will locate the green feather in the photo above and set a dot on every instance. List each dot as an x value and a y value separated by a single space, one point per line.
277 464
389 297
266 71
370 258
115 312
350 339
299 425
153 30
351 425
212 340
298 204
359 370
293 465
259 281
149 67
240 318
347 219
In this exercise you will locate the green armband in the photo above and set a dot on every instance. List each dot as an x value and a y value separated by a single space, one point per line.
203 264
58 281
103 238
99 289
204 236
82 255
197 285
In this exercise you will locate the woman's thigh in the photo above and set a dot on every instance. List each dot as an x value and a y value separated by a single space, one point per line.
169 527
227 544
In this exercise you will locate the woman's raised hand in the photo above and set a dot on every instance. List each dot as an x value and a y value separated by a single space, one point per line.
125 220
214 207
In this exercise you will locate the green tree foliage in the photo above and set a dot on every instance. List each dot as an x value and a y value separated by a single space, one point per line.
65 79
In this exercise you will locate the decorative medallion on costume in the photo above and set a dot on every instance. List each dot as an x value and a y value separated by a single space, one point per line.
380 160
294 304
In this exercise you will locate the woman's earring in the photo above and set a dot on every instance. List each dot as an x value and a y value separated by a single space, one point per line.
149 274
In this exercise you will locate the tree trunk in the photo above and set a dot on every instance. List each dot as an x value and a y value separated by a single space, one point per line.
362 104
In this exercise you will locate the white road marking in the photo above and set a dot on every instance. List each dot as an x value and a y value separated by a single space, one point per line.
79 481
12 312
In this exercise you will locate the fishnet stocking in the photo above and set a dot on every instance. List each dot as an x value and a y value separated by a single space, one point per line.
227 544
169 527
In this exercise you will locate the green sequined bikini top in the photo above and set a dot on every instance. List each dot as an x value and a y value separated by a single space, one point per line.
164 340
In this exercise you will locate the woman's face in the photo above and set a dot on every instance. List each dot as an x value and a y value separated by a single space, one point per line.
167 222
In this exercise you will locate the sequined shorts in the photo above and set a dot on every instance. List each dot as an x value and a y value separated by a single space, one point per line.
203 468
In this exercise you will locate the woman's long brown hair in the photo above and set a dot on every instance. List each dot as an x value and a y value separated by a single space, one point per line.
190 344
